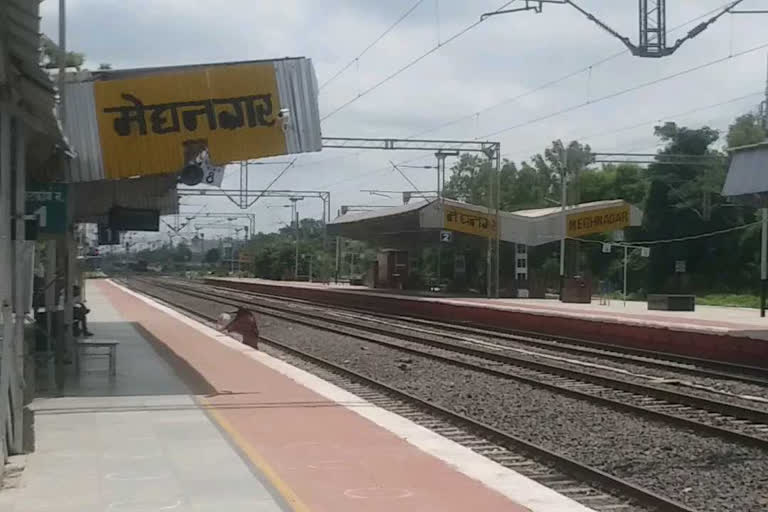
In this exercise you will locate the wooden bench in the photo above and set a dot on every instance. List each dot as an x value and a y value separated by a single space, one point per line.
110 345
671 302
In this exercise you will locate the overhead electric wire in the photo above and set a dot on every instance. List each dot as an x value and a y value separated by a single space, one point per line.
536 89
470 27
625 91
569 109
555 81
405 176
372 44
588 102
587 137
280 175
712 122
613 131
682 238
408 65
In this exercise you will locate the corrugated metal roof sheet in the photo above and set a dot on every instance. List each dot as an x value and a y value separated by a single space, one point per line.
384 212
297 87
81 113
405 208
22 28
27 86
556 210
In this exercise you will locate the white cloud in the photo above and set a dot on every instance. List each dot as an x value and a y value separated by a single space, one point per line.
499 59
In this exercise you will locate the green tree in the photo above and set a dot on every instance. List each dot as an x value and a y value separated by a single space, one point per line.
630 183
745 130
684 200
274 253
468 181
577 157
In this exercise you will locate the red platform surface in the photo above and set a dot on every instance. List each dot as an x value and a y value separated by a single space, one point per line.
735 335
320 454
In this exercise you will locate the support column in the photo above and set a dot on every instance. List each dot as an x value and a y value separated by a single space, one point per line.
6 280
497 266
763 261
338 258
70 260
50 312
489 250
22 285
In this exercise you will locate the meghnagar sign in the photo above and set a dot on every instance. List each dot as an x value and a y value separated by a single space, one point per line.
155 121
598 221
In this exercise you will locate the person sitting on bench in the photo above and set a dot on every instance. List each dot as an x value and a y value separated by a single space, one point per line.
79 314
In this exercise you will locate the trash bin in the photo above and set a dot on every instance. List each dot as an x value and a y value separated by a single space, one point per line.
576 290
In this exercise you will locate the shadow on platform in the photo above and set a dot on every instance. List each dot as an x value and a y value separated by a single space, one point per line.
144 367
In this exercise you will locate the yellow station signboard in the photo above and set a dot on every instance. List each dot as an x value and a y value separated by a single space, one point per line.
598 221
245 257
469 221
145 122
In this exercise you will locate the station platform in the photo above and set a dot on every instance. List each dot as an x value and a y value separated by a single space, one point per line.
736 335
196 421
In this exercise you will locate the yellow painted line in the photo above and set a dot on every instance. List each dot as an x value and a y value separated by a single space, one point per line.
288 494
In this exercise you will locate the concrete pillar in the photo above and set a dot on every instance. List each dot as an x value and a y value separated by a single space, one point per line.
50 308
6 280
22 268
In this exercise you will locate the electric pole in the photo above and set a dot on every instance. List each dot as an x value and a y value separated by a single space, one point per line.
764 213
295 217
764 105
563 205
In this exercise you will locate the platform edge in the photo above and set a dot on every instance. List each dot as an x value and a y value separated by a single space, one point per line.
514 486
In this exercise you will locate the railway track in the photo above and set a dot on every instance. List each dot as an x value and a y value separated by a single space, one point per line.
651 359
589 486
702 415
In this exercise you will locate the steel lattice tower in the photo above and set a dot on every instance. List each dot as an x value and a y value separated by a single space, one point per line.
653 27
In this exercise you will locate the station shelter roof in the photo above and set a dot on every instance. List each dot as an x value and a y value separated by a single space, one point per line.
421 222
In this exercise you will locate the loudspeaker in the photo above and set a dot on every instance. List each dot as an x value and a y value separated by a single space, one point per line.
191 175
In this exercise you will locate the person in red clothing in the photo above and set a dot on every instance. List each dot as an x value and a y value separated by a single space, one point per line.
244 323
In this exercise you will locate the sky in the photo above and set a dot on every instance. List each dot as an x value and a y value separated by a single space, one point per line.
489 83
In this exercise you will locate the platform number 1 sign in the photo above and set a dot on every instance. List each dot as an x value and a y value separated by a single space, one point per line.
446 237
48 203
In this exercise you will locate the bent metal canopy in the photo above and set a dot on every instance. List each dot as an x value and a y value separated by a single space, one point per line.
150 121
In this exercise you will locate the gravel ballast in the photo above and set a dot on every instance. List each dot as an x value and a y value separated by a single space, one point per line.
719 389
